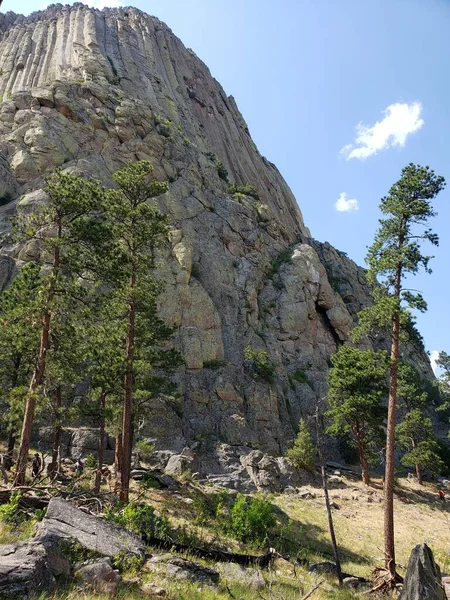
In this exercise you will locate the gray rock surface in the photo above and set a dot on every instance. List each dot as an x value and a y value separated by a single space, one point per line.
423 577
175 567
99 576
66 521
24 570
88 90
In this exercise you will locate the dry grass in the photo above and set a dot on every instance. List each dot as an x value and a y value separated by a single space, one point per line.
358 520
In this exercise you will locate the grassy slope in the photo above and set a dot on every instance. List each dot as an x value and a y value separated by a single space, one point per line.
358 521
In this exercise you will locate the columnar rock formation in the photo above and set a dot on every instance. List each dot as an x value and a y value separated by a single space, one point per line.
88 91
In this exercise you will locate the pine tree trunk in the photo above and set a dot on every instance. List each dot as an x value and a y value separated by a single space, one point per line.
118 455
363 463
128 398
53 468
30 405
38 372
9 456
418 467
101 443
389 543
9 451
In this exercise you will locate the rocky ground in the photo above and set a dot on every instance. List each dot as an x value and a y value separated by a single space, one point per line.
300 538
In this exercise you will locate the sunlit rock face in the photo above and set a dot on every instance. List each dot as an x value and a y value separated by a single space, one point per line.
89 91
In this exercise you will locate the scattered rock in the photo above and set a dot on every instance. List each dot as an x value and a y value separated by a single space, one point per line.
232 572
180 568
354 582
99 576
24 570
65 520
335 479
154 591
423 577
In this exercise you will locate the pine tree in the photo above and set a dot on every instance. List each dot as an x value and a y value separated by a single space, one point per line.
415 435
395 255
303 453
139 229
19 344
357 388
415 432
64 233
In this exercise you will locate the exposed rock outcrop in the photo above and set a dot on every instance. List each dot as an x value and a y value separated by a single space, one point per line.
63 520
423 577
88 91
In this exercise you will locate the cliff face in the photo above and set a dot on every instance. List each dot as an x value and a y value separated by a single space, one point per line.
89 91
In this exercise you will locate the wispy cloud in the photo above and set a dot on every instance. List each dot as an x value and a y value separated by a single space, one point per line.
346 204
399 121
434 355
104 3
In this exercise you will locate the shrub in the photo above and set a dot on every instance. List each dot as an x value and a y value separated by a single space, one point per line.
148 481
213 364
303 453
299 376
221 170
251 519
244 190
126 562
139 518
90 462
10 513
282 258
262 367
144 449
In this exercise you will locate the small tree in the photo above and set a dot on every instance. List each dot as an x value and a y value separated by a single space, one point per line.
415 432
138 229
415 435
303 453
357 388
394 255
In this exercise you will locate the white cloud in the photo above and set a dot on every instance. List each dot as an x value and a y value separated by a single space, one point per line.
345 204
399 121
104 3
434 355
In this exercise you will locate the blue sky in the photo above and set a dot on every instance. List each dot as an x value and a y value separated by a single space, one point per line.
305 73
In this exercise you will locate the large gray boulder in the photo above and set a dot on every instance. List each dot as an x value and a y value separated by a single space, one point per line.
66 521
24 570
423 577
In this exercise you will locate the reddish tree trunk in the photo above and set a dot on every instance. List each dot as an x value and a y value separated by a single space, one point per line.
9 452
363 462
118 455
389 544
101 443
30 405
53 468
128 398
38 372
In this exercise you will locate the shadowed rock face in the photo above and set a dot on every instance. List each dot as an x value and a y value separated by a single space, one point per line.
88 91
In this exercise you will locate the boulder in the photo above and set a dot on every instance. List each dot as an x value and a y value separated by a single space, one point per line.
232 572
153 591
423 577
8 184
175 567
66 521
24 570
99 576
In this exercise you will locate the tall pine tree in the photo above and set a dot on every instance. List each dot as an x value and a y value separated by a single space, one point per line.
394 256
63 233
139 229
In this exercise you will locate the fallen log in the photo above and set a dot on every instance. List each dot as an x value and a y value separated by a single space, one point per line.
262 560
